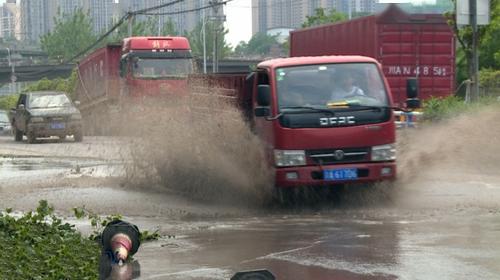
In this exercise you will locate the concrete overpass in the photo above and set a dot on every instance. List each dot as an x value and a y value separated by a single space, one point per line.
36 72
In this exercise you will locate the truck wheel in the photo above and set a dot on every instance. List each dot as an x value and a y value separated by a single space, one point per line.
31 137
18 135
285 196
78 136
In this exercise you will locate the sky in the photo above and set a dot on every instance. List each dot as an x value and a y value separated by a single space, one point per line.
238 21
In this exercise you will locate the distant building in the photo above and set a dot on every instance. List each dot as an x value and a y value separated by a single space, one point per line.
10 25
36 17
271 14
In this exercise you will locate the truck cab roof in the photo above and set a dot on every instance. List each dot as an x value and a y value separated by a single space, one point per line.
308 60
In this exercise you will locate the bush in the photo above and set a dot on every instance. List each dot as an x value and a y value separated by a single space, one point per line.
489 78
39 246
8 101
436 109
59 84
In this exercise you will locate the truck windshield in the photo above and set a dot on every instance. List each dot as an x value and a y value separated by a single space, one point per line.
49 101
330 86
158 68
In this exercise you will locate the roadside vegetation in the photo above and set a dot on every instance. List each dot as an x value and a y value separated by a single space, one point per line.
8 101
39 245
437 109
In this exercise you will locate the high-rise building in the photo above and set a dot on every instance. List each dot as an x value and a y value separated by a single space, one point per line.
10 25
290 14
35 19
37 16
102 13
183 21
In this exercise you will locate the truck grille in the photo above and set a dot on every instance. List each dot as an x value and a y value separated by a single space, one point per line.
337 156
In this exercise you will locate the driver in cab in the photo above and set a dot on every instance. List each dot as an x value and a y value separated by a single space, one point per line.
345 88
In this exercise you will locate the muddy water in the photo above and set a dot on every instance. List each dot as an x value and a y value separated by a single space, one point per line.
440 221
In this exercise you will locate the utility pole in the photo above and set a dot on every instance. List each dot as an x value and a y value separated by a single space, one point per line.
475 57
204 43
130 21
218 20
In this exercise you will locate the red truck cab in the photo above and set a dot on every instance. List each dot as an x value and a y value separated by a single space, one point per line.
325 120
154 66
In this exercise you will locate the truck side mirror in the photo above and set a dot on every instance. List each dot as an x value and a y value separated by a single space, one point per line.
412 101
123 68
263 95
411 88
262 112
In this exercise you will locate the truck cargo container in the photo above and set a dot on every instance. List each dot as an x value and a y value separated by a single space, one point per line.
407 45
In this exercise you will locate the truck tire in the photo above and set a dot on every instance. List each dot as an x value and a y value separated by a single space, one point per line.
78 136
18 135
31 137
285 196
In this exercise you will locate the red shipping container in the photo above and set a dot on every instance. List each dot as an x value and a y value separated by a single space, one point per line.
407 45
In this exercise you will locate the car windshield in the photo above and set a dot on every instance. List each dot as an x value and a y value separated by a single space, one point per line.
330 86
4 117
49 101
154 68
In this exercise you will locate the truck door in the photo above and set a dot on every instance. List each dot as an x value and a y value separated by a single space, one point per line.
263 127
21 113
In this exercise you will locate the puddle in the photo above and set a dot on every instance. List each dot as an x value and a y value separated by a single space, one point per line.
39 167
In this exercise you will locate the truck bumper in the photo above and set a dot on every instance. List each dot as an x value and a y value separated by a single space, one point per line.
313 175
44 129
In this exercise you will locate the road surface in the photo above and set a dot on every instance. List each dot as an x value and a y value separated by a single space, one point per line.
441 221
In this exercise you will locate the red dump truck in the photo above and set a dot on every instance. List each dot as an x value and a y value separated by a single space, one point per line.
128 74
314 135
407 45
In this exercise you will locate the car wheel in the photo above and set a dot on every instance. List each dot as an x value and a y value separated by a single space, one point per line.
78 136
18 135
31 137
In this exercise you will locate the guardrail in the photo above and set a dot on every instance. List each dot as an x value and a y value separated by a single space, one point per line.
407 119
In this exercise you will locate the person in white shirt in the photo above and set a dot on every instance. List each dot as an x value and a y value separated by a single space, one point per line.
345 87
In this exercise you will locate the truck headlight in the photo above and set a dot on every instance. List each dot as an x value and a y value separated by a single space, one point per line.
76 117
36 119
384 152
289 157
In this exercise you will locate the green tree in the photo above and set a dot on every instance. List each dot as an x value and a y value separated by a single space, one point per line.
196 40
260 44
71 35
488 41
322 17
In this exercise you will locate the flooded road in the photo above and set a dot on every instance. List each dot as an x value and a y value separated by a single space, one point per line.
441 221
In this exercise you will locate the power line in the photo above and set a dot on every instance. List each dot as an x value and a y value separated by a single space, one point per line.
188 11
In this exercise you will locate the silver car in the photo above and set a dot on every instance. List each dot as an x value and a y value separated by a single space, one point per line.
5 127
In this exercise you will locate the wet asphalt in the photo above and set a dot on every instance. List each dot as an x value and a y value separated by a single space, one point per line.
441 224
